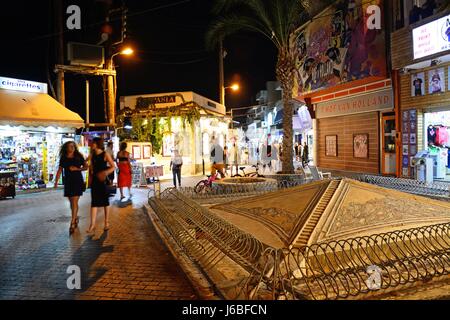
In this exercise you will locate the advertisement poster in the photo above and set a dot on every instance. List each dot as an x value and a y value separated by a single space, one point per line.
431 38
405 149
339 47
418 84
436 81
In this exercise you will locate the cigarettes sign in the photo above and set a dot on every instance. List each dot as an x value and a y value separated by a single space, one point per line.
22 85
432 38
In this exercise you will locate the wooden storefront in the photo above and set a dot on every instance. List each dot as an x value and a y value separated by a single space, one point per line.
346 116
345 127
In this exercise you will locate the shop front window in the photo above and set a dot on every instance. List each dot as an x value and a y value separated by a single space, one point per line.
389 136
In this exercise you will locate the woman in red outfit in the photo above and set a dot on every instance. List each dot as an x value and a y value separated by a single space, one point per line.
124 165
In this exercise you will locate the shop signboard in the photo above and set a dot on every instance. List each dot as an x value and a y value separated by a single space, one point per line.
432 38
375 101
22 85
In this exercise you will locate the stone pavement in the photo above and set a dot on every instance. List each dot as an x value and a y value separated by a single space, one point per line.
127 262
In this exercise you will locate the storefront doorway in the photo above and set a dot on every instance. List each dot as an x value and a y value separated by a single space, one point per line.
436 140
388 155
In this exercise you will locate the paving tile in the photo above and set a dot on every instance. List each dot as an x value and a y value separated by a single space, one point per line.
128 262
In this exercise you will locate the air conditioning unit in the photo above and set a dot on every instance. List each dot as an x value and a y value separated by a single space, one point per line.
264 124
83 54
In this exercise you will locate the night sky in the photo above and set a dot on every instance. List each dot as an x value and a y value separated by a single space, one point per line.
170 51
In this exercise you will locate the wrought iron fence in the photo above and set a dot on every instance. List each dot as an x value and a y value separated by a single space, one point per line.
332 270
238 190
351 267
438 190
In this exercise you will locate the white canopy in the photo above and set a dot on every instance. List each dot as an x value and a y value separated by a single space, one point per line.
35 109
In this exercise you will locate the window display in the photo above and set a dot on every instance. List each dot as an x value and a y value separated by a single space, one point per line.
437 142
31 156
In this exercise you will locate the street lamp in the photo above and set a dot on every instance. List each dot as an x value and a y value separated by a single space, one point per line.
112 84
235 87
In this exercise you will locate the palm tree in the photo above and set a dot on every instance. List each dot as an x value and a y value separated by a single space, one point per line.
276 20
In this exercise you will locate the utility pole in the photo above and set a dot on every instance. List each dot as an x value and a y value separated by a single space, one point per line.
60 86
221 74
111 98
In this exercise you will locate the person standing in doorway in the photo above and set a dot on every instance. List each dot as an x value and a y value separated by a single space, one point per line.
297 151
233 158
217 160
225 159
101 165
124 164
71 164
176 164
305 155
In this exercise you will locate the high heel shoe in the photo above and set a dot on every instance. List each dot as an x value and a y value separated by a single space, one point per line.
90 230
106 228
72 228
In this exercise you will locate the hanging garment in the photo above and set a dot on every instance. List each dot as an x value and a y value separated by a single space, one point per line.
431 132
441 136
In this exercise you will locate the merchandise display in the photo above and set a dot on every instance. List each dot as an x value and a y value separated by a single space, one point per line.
29 158
437 137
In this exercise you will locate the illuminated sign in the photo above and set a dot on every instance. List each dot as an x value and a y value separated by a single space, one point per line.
22 85
432 38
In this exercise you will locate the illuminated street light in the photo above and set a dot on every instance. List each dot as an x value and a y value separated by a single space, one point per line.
235 87
127 51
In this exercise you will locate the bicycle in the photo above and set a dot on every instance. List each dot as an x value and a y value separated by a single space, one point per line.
254 174
204 186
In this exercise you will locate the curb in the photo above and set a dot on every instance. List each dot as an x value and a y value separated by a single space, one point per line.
202 286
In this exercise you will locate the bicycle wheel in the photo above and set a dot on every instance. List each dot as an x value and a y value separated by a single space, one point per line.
252 175
201 186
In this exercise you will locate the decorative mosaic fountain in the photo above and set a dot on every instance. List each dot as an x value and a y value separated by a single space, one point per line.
314 241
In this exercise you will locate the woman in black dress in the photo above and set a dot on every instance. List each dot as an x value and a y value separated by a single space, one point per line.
71 164
98 172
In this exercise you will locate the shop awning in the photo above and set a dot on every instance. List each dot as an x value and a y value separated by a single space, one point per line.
35 109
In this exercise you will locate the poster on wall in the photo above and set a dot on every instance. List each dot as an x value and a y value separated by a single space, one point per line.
405 149
436 81
147 151
405 137
331 146
136 152
167 144
361 145
406 162
412 138
338 47
418 84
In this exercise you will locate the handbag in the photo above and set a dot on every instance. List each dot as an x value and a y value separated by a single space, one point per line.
111 189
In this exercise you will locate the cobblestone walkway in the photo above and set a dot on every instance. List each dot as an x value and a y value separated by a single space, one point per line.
127 262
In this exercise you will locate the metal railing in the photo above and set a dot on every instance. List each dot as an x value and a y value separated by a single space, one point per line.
438 190
231 191
333 270
348 268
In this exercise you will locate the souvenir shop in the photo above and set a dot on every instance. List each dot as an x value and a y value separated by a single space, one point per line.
33 126
188 122
422 69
